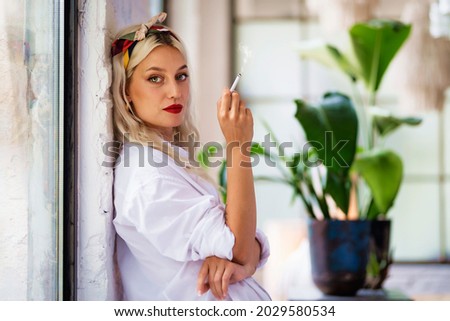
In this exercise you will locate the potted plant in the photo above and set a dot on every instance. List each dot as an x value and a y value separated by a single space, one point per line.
375 44
361 178
339 247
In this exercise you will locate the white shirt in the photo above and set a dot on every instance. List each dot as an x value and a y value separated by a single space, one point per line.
168 221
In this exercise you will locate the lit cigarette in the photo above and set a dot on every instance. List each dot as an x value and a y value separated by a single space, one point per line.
236 80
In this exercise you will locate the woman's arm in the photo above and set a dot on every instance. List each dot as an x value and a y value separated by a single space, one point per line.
236 122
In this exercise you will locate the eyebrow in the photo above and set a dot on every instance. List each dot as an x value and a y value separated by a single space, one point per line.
162 69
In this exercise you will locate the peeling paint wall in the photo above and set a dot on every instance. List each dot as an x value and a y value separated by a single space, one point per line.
98 23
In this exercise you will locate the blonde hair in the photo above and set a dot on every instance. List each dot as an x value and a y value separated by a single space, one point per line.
127 126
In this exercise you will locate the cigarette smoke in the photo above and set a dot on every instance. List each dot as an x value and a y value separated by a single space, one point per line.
246 53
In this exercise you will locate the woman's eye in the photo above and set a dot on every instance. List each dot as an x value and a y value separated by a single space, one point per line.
155 79
182 77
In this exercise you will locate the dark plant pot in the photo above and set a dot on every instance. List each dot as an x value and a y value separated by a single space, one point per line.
339 253
380 256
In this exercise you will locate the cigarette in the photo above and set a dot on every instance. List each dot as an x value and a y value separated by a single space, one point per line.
236 80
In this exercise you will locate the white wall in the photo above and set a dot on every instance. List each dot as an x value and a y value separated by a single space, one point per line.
99 21
205 27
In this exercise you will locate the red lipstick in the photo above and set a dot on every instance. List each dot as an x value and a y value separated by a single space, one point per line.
174 109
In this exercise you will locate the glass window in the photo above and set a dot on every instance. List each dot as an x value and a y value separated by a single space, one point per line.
30 188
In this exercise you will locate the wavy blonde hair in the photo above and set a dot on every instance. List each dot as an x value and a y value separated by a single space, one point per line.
127 126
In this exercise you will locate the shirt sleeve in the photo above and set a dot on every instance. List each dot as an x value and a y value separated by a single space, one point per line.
179 221
265 248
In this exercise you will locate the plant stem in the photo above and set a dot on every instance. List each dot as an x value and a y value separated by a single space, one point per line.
305 201
371 131
362 116
363 131
320 200
367 132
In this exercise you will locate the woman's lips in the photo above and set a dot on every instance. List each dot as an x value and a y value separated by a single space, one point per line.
174 109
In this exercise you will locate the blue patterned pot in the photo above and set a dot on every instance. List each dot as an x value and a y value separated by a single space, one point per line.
339 254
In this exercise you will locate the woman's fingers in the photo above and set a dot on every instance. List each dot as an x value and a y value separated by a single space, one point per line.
235 106
202 284
217 274
224 103
226 279
230 104
234 118
223 274
214 285
217 280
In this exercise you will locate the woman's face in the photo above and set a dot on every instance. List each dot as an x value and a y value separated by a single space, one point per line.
159 89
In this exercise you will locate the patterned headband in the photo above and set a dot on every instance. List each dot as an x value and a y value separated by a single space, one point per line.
126 43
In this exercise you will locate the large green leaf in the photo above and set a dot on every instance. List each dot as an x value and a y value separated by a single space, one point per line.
385 123
343 62
375 43
327 55
331 128
383 172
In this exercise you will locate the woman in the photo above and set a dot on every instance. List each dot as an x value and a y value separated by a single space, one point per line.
176 240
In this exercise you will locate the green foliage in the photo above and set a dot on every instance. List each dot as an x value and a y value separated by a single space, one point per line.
333 121
382 170
384 123
204 158
331 129
374 46
375 43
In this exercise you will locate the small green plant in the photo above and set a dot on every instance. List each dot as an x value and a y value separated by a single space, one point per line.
211 152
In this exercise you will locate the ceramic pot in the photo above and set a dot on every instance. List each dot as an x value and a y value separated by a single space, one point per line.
380 256
339 253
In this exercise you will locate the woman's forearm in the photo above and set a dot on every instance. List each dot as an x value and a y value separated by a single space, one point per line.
240 212
236 122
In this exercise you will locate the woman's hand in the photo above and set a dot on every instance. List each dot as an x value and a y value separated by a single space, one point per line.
216 274
236 121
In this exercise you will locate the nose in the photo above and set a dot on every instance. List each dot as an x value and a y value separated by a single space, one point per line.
173 90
